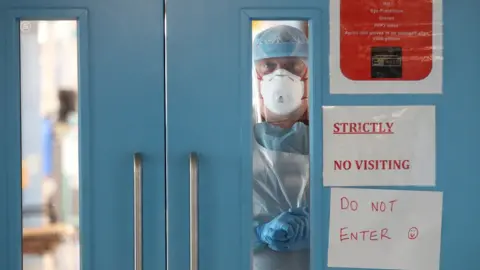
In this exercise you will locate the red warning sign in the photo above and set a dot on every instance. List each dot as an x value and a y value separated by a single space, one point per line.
386 39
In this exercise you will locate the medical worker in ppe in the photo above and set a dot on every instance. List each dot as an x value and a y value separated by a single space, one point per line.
281 226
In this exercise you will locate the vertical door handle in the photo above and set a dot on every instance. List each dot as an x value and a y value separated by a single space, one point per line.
137 211
193 211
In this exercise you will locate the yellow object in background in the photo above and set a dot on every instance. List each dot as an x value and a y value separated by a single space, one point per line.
25 176
256 25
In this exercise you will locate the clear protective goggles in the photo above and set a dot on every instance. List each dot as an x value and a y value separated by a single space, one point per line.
294 65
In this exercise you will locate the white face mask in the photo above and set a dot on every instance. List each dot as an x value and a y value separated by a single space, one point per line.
282 92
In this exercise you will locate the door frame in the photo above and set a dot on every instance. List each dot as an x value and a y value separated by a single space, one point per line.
11 157
318 36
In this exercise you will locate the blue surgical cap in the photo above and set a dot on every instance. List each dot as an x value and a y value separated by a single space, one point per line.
280 41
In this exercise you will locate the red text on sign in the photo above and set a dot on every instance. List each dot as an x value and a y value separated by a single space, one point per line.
363 128
342 165
364 235
345 203
372 165
383 164
382 206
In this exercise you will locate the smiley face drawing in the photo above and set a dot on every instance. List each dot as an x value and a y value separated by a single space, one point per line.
413 233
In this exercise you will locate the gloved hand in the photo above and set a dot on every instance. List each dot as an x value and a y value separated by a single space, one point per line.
302 239
288 231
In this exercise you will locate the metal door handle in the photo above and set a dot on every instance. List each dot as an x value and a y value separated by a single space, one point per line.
137 211
193 211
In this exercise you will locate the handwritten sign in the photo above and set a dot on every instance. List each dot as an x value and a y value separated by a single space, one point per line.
386 46
385 229
379 146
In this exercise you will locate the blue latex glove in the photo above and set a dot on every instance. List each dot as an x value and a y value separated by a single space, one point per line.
301 211
302 228
288 231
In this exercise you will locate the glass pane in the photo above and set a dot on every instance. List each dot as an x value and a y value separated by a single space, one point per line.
48 57
281 199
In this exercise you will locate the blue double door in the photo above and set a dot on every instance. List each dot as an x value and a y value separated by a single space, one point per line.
166 90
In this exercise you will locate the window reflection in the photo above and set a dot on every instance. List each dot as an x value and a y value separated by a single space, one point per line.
50 179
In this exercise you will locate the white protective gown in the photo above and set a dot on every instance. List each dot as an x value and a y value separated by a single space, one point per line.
280 182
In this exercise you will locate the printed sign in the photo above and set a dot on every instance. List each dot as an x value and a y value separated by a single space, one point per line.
385 229
386 46
379 146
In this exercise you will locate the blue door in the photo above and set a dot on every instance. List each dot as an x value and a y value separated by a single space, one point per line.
120 81
209 112
174 126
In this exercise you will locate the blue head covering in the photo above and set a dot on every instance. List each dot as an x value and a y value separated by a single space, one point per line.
280 41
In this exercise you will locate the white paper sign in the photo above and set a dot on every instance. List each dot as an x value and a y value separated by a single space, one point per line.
379 146
385 229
